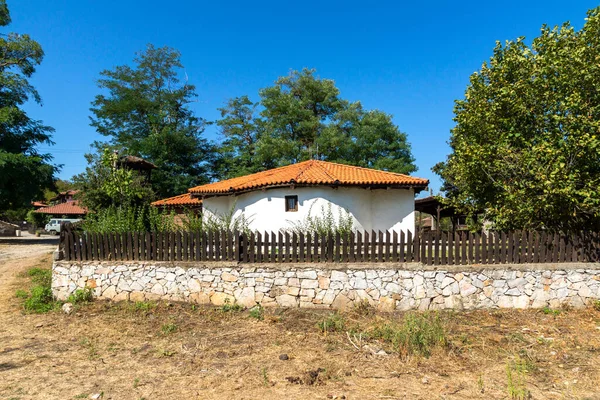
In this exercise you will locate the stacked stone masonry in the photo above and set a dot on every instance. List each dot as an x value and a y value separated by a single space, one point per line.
403 288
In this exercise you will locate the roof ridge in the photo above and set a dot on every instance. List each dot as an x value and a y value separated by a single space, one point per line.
368 169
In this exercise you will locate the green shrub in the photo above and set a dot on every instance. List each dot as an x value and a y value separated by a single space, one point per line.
324 223
40 300
231 307
81 296
257 312
417 334
332 323
21 294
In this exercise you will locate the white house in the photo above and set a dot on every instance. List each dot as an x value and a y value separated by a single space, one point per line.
281 197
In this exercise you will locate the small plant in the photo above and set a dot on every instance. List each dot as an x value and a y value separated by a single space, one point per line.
257 312
549 311
40 300
515 376
231 307
143 305
480 385
265 377
332 323
136 382
363 308
40 276
168 328
596 305
21 294
418 334
80 296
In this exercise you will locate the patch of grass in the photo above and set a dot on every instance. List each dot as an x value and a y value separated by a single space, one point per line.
265 377
40 276
364 308
417 334
332 323
81 396
80 296
257 312
515 377
596 305
136 382
550 311
231 307
169 328
143 305
40 300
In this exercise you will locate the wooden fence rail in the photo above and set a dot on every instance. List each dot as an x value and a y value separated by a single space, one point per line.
430 248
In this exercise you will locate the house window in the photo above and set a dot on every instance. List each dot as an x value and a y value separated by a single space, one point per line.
291 203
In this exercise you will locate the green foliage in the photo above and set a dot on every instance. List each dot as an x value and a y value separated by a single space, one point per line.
549 311
80 296
145 111
169 328
525 147
301 117
105 183
36 218
228 306
332 323
40 276
143 305
24 171
257 312
417 334
596 305
215 221
39 299
515 376
325 222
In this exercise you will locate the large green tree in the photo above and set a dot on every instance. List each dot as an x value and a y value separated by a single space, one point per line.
301 117
526 145
24 171
145 111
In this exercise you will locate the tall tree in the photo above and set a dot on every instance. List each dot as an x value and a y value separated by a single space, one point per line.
146 112
24 171
526 145
303 116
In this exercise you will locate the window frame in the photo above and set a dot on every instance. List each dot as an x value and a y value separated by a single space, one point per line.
295 198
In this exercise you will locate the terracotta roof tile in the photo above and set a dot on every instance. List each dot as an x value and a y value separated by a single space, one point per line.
182 200
311 172
70 208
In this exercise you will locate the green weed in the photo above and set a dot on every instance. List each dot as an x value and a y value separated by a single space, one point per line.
168 328
257 312
549 311
596 305
231 307
417 334
40 300
21 294
332 323
515 376
80 296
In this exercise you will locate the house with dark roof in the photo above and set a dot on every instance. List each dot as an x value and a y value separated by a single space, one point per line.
284 197
64 205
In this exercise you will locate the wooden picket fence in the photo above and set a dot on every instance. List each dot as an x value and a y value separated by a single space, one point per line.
431 248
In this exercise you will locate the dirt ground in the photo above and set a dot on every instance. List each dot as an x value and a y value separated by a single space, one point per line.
177 351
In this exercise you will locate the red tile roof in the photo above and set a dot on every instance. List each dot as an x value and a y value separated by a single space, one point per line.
313 173
185 199
68 208
38 204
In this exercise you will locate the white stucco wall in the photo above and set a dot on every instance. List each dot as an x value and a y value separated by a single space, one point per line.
378 209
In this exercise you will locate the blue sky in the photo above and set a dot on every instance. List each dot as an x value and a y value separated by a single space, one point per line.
409 59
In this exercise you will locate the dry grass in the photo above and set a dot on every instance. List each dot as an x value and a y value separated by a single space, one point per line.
178 351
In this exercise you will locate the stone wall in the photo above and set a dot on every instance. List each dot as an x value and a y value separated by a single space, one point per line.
386 286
